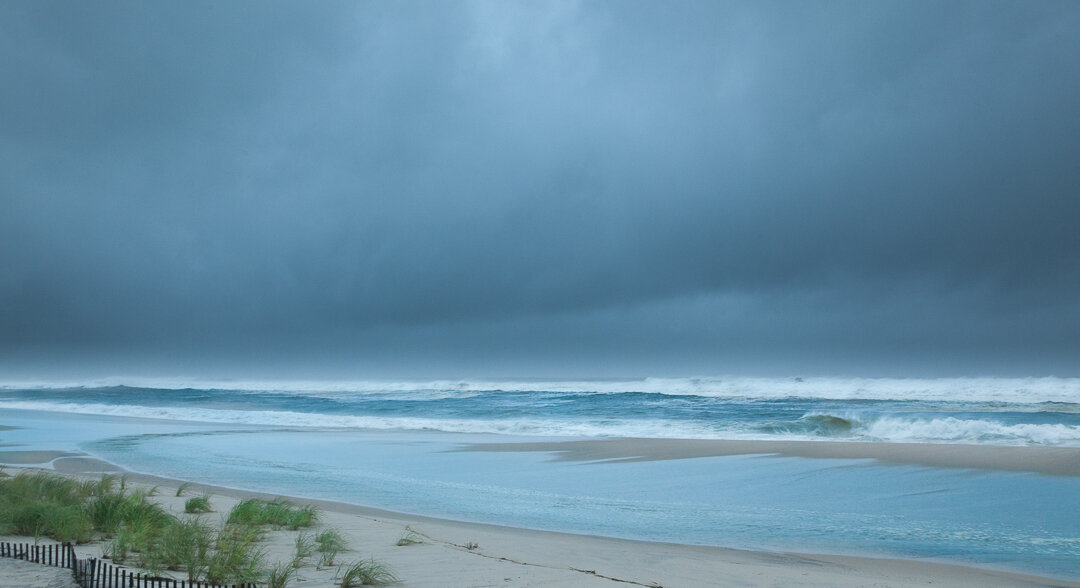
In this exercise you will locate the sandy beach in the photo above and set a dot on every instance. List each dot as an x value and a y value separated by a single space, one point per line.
473 555
31 575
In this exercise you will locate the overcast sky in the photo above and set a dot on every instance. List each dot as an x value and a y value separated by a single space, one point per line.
399 189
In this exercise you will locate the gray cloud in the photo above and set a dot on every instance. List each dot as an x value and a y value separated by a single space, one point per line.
692 186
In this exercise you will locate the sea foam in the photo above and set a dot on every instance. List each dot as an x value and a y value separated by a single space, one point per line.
1007 390
813 426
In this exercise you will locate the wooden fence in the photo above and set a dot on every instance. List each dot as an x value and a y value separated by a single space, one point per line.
95 573
61 556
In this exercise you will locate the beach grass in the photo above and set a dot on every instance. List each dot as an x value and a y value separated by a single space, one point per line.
134 529
277 513
280 575
112 510
236 557
197 505
329 544
409 537
186 545
138 531
305 548
366 573
50 506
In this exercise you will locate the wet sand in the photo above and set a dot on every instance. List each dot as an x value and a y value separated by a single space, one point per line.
17 457
1056 461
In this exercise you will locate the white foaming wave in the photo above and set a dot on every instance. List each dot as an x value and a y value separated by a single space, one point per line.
887 429
954 430
1003 390
402 390
525 426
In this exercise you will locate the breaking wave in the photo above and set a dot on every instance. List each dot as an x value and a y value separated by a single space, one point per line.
1065 391
954 430
826 425
290 419
926 430
811 426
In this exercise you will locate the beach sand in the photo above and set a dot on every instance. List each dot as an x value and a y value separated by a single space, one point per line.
22 574
506 556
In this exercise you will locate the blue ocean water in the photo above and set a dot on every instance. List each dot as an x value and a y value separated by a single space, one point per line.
1004 411
394 446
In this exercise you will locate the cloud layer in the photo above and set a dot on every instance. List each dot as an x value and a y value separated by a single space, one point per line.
688 187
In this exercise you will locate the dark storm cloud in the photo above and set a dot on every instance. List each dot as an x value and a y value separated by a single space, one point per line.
689 182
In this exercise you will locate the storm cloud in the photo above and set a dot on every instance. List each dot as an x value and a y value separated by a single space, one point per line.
604 188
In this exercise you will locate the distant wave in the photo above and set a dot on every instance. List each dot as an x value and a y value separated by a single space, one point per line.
519 426
1065 391
812 426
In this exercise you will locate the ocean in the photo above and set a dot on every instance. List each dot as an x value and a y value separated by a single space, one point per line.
398 446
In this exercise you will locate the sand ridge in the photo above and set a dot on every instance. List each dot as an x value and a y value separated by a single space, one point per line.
1049 460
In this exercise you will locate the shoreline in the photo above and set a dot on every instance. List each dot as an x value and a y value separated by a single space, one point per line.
512 556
